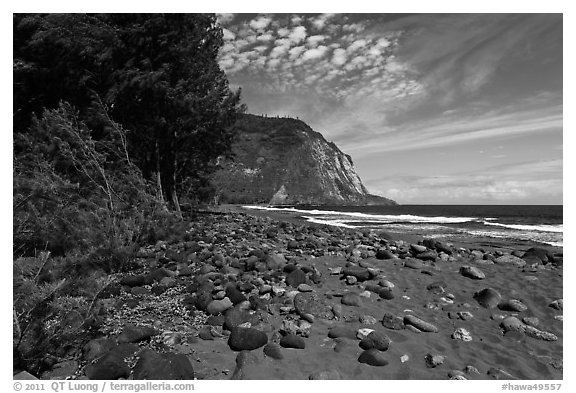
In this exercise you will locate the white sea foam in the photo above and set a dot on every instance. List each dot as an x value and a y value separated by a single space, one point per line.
538 228
384 218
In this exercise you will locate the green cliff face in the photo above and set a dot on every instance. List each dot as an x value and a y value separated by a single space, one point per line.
283 161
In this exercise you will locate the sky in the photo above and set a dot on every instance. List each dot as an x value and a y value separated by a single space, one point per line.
433 108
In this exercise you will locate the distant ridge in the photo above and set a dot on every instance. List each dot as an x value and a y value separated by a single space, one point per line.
282 161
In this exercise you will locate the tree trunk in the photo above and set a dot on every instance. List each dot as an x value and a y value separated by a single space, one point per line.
175 200
159 192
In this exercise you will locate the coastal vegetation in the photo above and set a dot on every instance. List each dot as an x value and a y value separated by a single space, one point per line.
118 120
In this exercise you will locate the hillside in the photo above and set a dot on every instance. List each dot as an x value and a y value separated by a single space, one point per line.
283 161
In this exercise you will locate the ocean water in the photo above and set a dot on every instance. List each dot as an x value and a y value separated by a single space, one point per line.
534 223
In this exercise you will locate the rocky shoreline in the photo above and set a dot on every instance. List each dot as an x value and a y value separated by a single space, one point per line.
246 296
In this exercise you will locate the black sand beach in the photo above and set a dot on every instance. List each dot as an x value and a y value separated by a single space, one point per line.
253 295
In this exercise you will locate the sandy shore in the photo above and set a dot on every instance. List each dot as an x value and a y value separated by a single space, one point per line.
264 295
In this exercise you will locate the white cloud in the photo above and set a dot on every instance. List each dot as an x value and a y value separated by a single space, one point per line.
320 21
283 32
297 34
224 18
314 40
296 20
315 53
265 37
296 51
339 57
356 45
260 23
228 35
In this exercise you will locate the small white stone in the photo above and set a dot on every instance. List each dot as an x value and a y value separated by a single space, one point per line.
363 333
404 358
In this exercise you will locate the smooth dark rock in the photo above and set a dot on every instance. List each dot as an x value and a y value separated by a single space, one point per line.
351 299
488 297
168 366
110 366
246 339
385 254
274 351
373 357
417 248
376 340
542 254
512 305
472 272
386 293
215 320
133 334
420 324
361 274
296 278
234 294
96 348
342 331
510 259
429 255
413 263
235 317
292 341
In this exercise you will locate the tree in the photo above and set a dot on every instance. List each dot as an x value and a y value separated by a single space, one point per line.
155 74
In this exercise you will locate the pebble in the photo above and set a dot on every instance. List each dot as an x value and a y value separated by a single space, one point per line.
165 366
274 351
246 339
420 324
133 334
351 299
539 334
531 321
278 291
309 304
557 304
373 357
404 358
361 274
368 320
386 294
462 335
305 288
363 333
376 340
110 366
510 259
351 280
342 331
472 272
488 297
413 263
216 307
433 361
335 270
292 341
512 324
514 305
416 248
296 278
392 322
